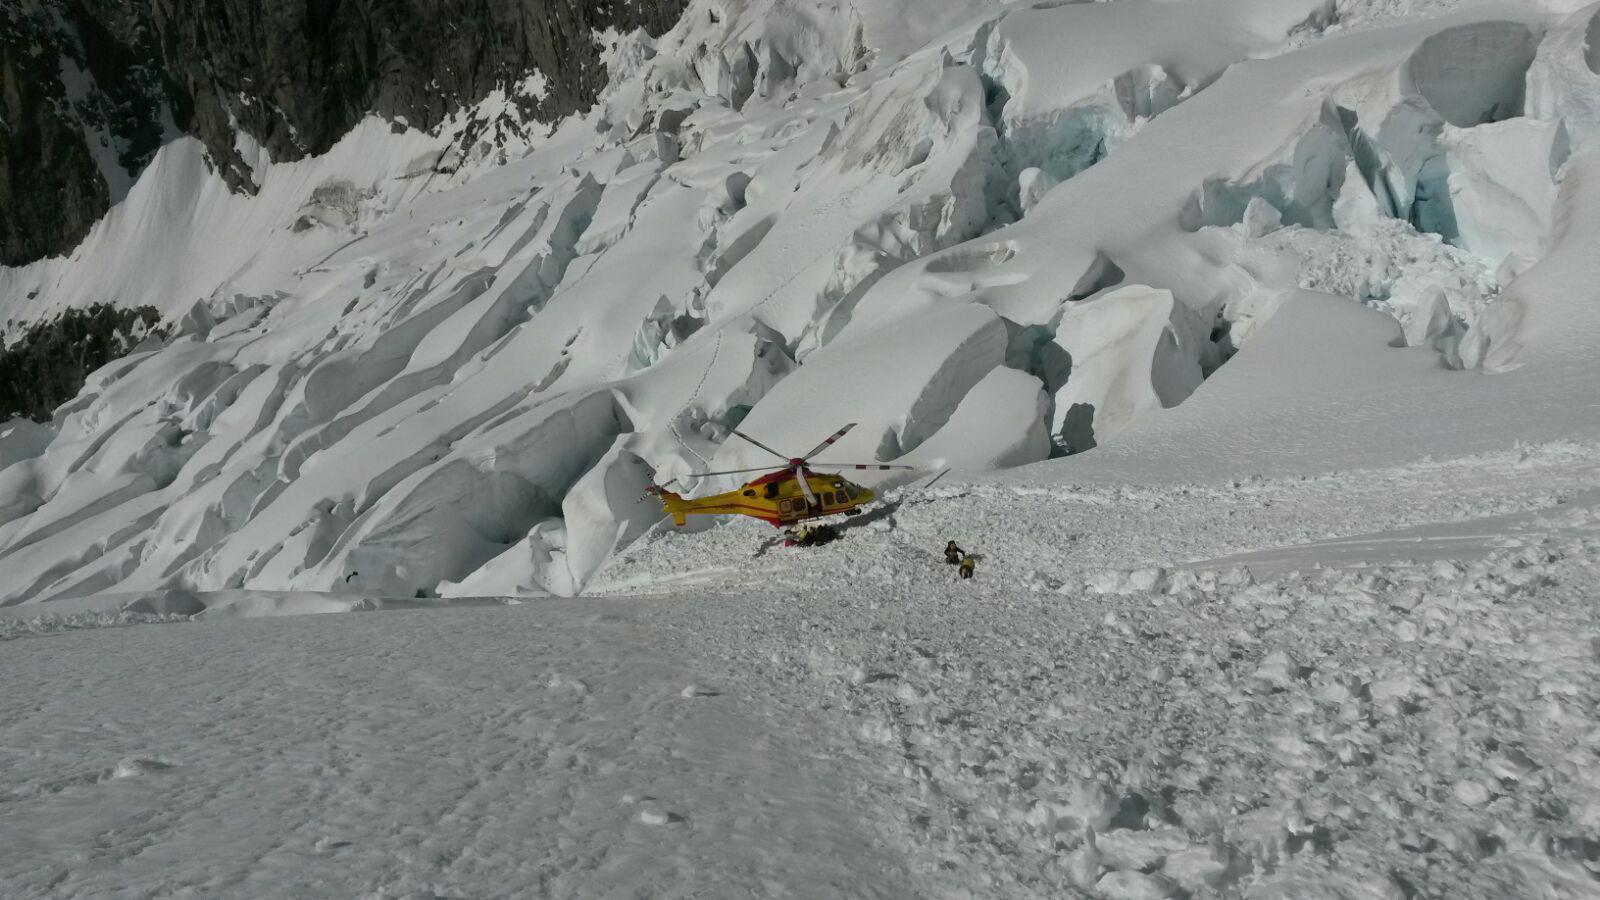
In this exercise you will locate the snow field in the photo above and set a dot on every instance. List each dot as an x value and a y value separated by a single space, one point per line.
1040 536
1413 720
1342 736
853 719
377 755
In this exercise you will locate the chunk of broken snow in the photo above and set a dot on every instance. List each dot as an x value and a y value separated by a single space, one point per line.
1355 209
1136 886
1502 185
1032 184
655 817
1148 580
1000 423
1431 320
1472 793
1277 669
1260 218
1133 350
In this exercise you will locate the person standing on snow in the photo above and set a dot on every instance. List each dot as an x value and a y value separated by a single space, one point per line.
952 553
968 564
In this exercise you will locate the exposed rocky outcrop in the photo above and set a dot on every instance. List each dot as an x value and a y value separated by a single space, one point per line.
79 111
90 88
46 364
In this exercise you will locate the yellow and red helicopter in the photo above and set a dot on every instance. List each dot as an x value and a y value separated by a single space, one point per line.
781 497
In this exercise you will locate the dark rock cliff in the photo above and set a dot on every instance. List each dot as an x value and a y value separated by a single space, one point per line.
90 88
72 101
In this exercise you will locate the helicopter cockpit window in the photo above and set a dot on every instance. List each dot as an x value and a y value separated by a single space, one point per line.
772 489
851 491
750 493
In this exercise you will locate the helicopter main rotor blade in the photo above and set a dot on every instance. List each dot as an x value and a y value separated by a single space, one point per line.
878 467
829 442
728 472
800 476
759 444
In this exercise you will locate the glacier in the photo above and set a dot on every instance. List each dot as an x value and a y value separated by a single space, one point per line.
991 234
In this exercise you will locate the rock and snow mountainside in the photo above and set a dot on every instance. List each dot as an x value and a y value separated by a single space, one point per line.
90 89
987 233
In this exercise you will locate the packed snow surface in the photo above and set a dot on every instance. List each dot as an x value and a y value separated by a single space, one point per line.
1369 683
1250 345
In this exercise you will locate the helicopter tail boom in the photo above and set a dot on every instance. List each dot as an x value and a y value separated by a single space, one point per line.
671 503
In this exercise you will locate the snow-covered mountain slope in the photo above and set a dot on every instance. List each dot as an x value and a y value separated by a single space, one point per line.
987 233
90 89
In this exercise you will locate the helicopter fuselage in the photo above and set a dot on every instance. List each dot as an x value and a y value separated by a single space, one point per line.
776 499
